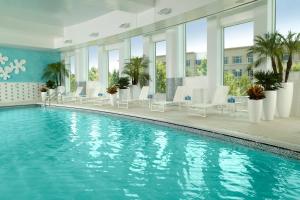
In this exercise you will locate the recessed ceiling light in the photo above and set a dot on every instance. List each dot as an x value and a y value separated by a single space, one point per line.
68 41
95 34
125 25
165 11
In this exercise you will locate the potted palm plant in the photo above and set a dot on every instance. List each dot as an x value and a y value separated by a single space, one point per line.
56 72
137 70
112 90
271 83
291 45
268 46
255 103
51 86
123 84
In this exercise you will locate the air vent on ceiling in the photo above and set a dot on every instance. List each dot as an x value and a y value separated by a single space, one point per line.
125 25
165 11
68 41
95 34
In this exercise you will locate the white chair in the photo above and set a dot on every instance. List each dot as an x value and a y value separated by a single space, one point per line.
178 99
219 100
124 98
91 95
72 96
101 100
143 97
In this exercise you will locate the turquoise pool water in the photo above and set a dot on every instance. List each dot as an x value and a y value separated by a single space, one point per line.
64 154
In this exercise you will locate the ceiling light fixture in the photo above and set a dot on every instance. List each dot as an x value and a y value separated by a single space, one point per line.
68 41
94 34
165 11
125 25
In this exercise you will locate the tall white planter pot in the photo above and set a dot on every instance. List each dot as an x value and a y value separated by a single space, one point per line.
284 99
135 91
255 108
52 92
124 94
113 99
43 96
269 105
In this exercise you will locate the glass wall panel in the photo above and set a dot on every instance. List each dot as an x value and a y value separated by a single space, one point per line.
288 19
136 46
196 48
93 63
113 67
287 16
237 41
160 72
73 81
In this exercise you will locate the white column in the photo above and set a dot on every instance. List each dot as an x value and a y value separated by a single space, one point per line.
173 58
66 58
149 52
181 51
103 68
214 54
81 66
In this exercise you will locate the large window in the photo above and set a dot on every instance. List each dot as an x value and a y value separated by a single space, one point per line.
136 46
73 82
113 66
287 16
237 41
93 64
160 72
237 59
196 48
288 19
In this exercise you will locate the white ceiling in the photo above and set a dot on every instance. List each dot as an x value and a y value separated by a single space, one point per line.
67 12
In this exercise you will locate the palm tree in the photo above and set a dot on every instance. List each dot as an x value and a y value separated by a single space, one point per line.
292 45
56 72
136 69
268 46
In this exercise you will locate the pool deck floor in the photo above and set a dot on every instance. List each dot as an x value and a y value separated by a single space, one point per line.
283 133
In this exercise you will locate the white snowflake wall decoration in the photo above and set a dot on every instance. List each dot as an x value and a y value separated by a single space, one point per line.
16 66
3 59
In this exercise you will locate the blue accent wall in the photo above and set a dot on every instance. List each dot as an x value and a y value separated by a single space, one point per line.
36 61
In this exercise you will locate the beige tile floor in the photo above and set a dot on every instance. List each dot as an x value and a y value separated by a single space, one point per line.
283 133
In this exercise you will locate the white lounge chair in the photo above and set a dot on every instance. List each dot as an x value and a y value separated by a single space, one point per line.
178 99
143 97
219 100
124 98
91 95
70 97
101 100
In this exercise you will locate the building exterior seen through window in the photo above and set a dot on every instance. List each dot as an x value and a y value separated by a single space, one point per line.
196 48
237 73
237 59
